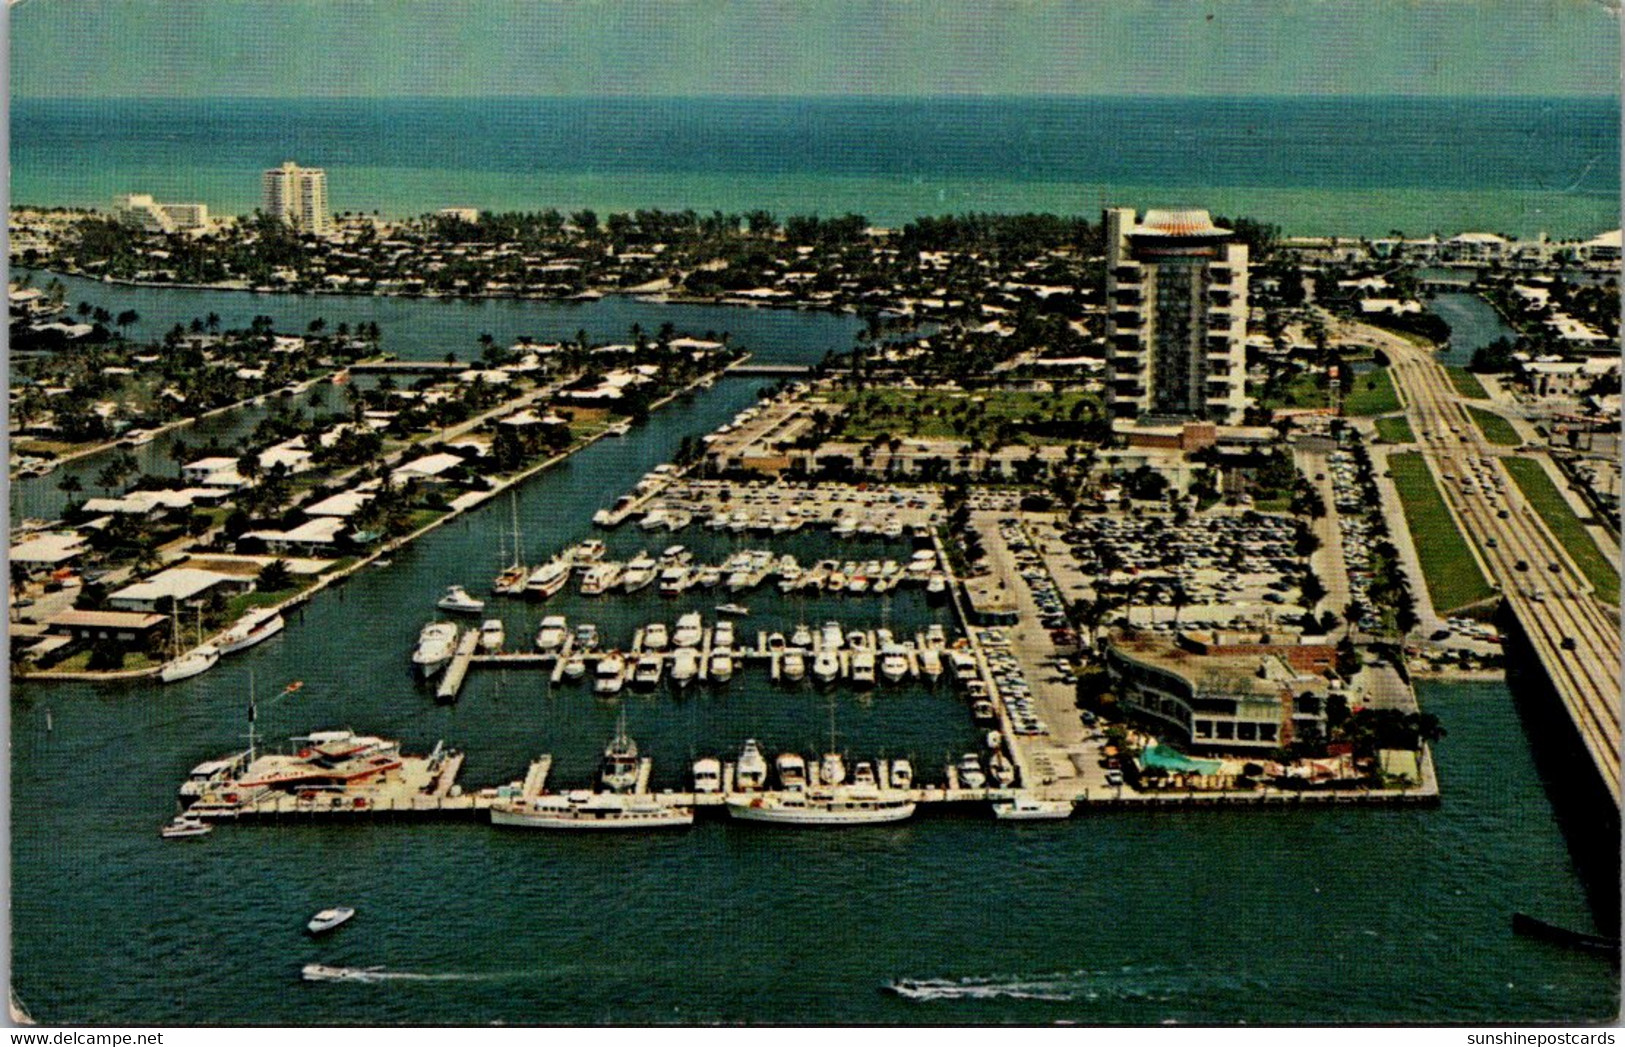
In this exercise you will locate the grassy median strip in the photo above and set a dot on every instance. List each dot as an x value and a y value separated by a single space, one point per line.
1467 383
1452 575
1373 393
1396 430
1554 509
1496 430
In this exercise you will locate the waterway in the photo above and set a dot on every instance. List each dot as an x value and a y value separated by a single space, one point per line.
1474 323
1212 916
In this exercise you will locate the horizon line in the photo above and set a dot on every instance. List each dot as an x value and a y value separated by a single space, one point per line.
826 97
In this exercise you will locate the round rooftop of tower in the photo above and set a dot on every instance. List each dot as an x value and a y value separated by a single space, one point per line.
1178 223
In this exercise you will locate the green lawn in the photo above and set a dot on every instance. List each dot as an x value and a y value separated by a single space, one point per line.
1395 429
1467 383
1301 392
1554 509
1452 575
1496 430
1373 393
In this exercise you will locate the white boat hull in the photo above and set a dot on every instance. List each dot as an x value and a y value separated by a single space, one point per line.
1032 810
194 664
837 813
259 634
663 818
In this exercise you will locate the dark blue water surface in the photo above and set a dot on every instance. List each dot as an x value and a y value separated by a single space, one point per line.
1315 165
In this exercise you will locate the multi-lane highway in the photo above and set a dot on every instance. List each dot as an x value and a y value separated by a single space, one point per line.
1574 631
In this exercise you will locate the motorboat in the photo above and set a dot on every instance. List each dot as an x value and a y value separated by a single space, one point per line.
321 972
931 663
677 519
832 808
735 609
721 668
553 632
609 675
492 635
791 770
618 769
893 662
548 578
846 528
775 643
436 644
793 665
690 630
646 672
832 637
708 577
600 578
458 601
640 573
964 664
685 665
184 827
589 551
655 636
586 637
935 635
330 919
826 665
1002 770
722 637
211 773
674 580
902 774
982 711
857 640
750 770
676 555
653 520
994 740
831 769
971 775
1029 809
194 663
937 584
863 775
707 775
863 667
575 667
254 627
802 637
581 809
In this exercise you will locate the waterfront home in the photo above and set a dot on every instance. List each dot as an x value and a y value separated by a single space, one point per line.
125 627
313 537
213 472
178 586
428 469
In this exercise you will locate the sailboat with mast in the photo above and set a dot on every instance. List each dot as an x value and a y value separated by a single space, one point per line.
511 579
195 662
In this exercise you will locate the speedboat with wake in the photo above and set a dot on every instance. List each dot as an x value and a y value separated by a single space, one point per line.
321 972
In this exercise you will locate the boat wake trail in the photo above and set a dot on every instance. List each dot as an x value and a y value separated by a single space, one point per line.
1133 982
372 975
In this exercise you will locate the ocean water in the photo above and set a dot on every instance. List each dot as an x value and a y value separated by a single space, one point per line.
1357 166
1125 917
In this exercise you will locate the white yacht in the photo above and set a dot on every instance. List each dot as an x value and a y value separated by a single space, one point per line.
600 578
971 775
1002 770
436 644
738 610
676 555
708 775
674 580
252 628
750 770
590 551
834 807
690 630
863 667
458 601
831 769
185 826
937 584
902 774
548 578
931 663
832 636
195 662
618 768
722 637
581 809
639 573
609 675
791 770
893 662
553 632
655 636
575 666
826 665
793 665
802 637
1028 809
586 637
708 577
653 520
646 673
863 775
492 635
964 664
330 919
685 665
721 668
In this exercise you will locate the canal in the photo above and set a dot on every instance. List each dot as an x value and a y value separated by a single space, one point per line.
1474 323
1278 916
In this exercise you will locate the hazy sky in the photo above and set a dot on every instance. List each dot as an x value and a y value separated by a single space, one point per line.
136 48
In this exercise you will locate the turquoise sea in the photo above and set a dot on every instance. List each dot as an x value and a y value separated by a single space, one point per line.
1315 166
1262 917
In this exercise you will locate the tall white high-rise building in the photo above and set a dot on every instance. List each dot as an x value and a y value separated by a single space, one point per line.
1176 321
298 196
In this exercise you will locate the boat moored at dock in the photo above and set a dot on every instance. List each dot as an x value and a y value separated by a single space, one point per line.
1031 809
590 811
436 644
827 808
254 627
